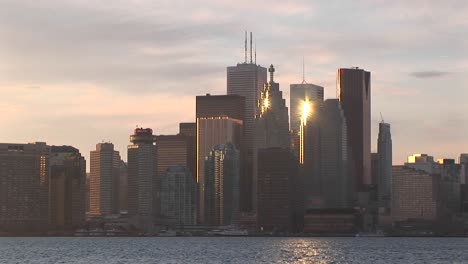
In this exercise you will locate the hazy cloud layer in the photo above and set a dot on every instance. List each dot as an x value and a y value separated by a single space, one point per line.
79 71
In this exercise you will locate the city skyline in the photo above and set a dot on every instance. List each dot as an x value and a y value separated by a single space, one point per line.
95 72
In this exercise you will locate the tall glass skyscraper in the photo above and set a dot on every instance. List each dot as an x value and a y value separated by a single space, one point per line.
354 92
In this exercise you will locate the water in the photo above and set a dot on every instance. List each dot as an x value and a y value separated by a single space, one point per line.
233 250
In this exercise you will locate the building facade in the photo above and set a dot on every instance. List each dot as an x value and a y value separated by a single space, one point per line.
384 150
104 180
24 186
178 197
143 204
67 200
354 93
222 170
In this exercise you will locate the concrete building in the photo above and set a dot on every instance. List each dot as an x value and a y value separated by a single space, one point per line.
143 204
414 194
384 149
277 170
247 80
222 170
67 198
354 93
336 182
219 121
24 186
178 197
104 180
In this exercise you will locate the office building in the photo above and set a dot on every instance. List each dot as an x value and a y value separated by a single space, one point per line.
222 170
123 187
104 180
178 197
247 80
464 168
188 129
143 205
175 150
354 92
219 121
414 194
24 186
67 202
384 181
277 169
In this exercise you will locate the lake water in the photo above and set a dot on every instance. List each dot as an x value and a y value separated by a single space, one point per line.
233 250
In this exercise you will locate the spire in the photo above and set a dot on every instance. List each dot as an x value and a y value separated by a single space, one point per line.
271 70
303 71
251 47
245 48
255 52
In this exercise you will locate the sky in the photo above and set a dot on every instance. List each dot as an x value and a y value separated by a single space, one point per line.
82 72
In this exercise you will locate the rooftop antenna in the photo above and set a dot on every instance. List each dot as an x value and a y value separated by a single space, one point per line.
303 71
381 116
245 48
251 47
255 51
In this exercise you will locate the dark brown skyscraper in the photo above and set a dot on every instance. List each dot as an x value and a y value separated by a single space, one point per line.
277 170
354 92
176 150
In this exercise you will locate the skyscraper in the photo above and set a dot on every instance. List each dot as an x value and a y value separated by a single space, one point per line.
178 196
354 92
247 80
175 150
24 186
219 121
142 178
222 185
384 149
104 180
464 165
277 169
67 187
123 186
188 129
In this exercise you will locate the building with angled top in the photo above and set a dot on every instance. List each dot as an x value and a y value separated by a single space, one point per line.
67 200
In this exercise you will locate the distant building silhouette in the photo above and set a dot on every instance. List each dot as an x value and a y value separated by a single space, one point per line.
142 178
188 129
247 80
123 187
222 170
24 186
354 92
176 150
178 196
67 188
384 149
104 180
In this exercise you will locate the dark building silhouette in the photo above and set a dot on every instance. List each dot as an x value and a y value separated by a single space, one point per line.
176 150
354 91
24 186
384 182
143 204
188 129
247 80
222 186
123 189
67 200
276 208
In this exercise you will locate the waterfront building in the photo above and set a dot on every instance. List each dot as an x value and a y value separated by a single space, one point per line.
222 170
143 203
384 181
24 186
67 202
178 197
354 93
104 180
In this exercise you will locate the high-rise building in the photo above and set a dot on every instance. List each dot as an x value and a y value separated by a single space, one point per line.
222 169
188 129
67 202
24 186
305 101
123 187
414 194
176 150
384 149
104 180
247 80
422 162
277 169
464 169
337 185
354 92
142 178
178 196
219 121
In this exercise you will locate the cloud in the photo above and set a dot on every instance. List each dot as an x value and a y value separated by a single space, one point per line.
429 74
